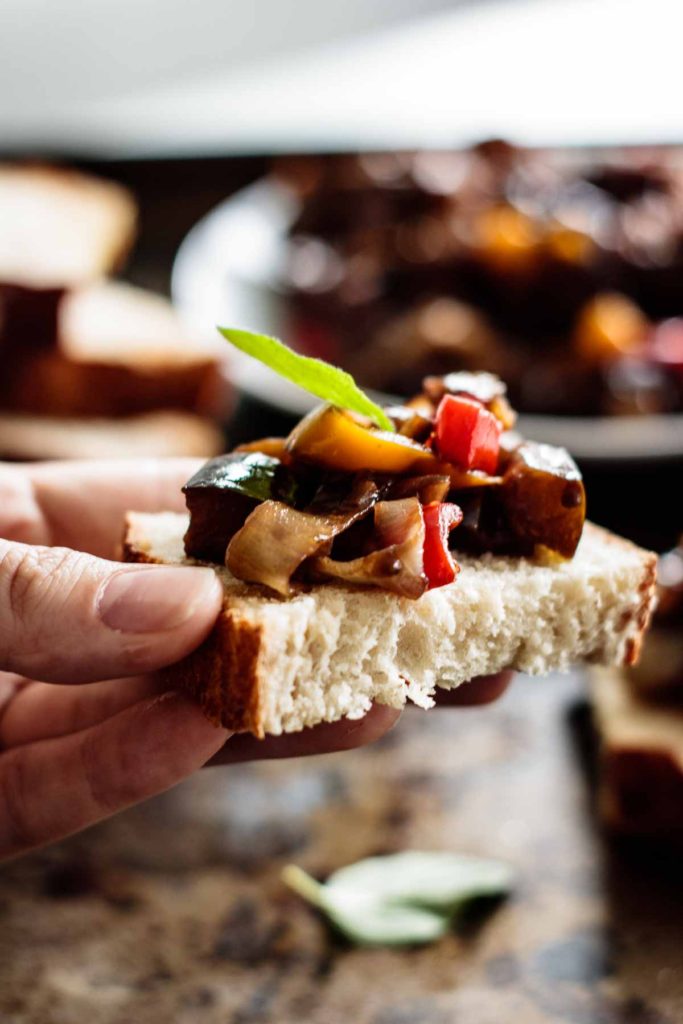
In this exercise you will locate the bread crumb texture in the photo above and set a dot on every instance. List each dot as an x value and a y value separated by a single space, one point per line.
274 665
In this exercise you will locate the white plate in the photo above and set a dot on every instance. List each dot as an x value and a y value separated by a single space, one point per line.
225 273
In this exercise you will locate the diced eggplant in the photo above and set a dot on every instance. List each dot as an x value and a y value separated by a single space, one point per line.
540 503
223 492
544 497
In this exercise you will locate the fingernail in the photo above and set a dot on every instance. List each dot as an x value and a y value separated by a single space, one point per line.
154 600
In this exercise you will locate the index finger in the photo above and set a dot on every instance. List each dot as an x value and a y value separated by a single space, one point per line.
483 690
80 505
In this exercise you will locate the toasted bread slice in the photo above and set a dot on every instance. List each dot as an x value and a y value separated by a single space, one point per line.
154 434
641 759
122 351
274 665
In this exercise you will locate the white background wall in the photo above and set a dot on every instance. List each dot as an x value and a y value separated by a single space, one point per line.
259 75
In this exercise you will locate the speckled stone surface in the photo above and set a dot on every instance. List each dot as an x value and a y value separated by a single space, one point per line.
174 913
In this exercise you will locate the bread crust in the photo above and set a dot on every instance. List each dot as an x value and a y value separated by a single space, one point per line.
52 384
647 591
153 435
223 672
232 673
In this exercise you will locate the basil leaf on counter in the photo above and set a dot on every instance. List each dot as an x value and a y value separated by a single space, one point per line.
402 899
314 375
363 918
439 880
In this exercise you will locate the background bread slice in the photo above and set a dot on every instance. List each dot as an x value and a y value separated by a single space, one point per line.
154 434
641 759
122 350
61 228
273 665
659 673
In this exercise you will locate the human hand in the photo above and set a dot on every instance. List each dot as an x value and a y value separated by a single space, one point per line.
73 754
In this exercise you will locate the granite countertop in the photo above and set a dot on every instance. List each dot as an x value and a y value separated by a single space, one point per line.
175 911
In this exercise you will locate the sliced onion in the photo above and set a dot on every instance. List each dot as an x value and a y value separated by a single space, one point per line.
276 539
398 565
400 524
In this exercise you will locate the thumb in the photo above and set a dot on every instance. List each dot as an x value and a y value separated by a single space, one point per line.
69 617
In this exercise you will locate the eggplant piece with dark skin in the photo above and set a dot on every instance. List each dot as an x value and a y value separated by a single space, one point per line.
541 503
544 497
220 496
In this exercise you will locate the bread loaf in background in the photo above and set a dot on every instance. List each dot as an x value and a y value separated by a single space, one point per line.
91 367
121 351
154 434
640 758
60 229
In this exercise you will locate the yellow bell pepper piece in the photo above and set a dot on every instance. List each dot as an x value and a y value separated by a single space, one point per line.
274 446
335 439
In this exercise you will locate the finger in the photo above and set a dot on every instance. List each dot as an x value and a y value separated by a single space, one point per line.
68 617
483 690
10 685
44 710
41 711
322 739
51 789
81 504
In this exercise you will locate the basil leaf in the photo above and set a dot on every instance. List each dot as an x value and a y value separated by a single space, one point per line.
314 375
401 899
363 918
374 923
439 880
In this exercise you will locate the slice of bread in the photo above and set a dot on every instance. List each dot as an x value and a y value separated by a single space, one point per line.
273 665
122 351
61 228
154 434
641 759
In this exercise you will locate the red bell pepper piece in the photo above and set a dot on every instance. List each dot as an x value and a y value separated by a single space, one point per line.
439 566
467 433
